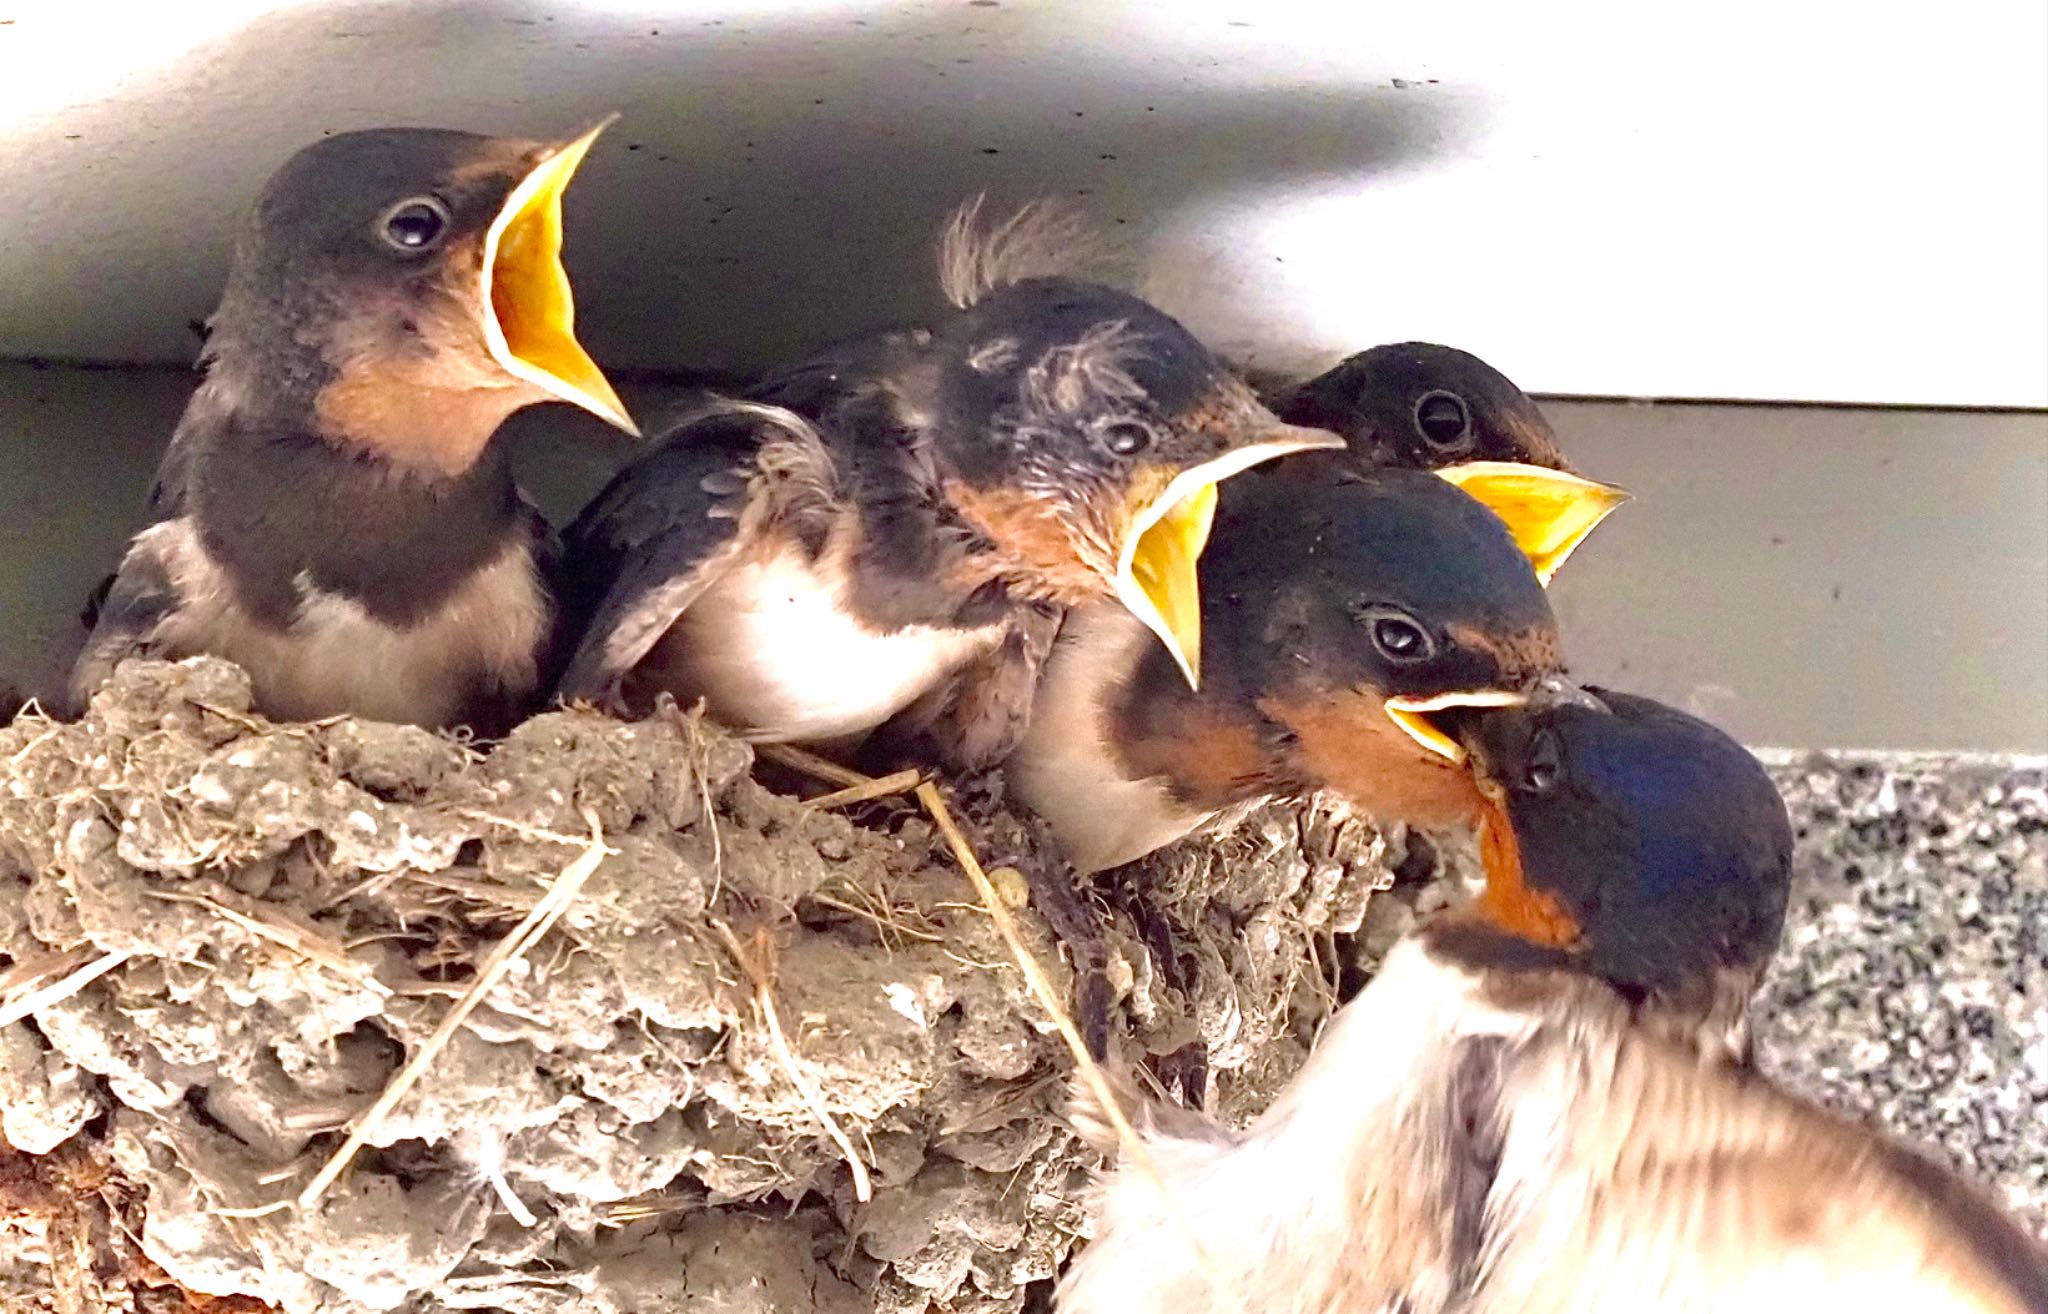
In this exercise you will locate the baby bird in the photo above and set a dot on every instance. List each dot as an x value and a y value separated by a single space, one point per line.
330 513
901 522
1539 1103
1338 611
1422 405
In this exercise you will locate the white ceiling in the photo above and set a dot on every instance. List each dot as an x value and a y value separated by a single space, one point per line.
1819 201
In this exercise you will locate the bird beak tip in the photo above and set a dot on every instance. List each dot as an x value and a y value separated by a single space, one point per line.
1548 512
528 308
1157 575
1412 715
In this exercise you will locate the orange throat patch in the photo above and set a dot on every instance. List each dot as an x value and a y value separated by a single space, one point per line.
1209 760
415 424
1035 544
1344 742
1507 902
413 383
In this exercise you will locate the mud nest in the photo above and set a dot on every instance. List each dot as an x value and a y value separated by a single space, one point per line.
221 939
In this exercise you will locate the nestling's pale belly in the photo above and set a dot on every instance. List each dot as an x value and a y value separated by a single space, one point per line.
1064 771
335 657
773 653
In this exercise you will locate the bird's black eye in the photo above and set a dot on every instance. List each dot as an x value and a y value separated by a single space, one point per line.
1126 437
1544 763
417 224
1444 421
1397 636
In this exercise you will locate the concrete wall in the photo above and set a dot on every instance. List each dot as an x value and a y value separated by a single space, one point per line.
1820 576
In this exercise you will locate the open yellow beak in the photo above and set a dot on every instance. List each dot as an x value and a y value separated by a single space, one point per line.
1548 511
1156 576
1412 715
530 323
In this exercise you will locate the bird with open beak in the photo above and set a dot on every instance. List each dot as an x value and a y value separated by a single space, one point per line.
1347 593
1339 611
1423 406
331 513
902 521
1541 1102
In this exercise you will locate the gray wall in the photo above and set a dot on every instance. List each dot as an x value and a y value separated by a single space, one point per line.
1806 576
1811 576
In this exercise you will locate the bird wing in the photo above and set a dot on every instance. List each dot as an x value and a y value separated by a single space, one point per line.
976 718
167 495
1682 1186
660 533
206 413
127 609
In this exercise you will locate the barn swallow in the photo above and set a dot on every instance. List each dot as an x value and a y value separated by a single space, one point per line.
1422 405
330 513
1428 407
1539 1104
862 530
1341 613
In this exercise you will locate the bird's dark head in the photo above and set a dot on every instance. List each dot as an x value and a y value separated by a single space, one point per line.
1632 842
1421 405
1085 432
1426 407
421 271
1343 615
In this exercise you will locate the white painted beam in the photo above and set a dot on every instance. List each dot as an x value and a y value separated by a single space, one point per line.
1807 200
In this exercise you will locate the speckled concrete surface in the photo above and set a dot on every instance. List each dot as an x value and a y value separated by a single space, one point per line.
1913 982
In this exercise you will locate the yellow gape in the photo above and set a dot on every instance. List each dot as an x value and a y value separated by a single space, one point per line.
529 312
1156 575
1548 511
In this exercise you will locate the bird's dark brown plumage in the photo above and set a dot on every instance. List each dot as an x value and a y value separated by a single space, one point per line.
893 527
330 512
1420 404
